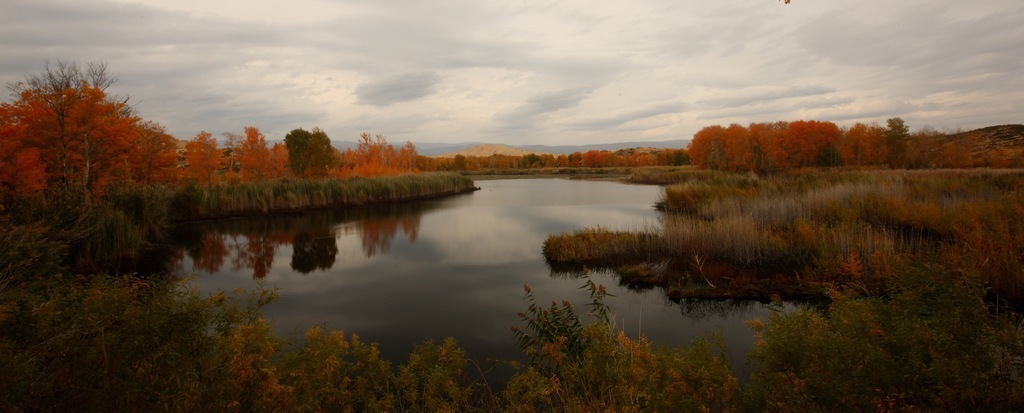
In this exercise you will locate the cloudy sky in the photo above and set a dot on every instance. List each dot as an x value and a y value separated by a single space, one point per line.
533 72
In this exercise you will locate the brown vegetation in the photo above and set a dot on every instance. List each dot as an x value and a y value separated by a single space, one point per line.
798 233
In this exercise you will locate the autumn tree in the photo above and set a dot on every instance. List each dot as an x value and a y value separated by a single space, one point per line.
707 149
738 148
594 158
278 162
375 157
957 151
232 152
808 143
204 161
154 156
21 166
863 145
407 156
764 138
576 159
311 153
459 163
929 145
253 156
82 135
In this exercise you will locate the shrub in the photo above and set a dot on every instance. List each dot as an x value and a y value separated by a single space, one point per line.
930 345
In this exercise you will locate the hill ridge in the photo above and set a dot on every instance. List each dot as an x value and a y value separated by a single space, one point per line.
488 149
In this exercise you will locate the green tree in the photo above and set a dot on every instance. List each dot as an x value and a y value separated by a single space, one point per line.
310 153
297 142
896 135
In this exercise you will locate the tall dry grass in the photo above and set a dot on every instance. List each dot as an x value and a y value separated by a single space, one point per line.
851 227
261 198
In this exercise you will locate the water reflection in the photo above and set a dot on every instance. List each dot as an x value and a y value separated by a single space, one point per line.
314 250
252 244
401 274
377 232
696 309
703 309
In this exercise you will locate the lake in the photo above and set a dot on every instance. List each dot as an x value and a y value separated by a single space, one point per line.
455 267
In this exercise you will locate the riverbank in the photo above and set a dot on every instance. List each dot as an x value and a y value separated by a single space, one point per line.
113 231
265 198
604 173
796 234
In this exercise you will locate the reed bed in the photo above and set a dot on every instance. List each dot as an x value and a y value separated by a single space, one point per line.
601 246
822 227
220 201
109 233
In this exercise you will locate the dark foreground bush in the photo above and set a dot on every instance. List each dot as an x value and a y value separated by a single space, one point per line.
128 344
932 345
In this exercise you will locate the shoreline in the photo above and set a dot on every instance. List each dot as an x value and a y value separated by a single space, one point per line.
310 208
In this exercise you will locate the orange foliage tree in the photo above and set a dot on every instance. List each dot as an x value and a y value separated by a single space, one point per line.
22 172
863 145
278 162
82 135
766 146
707 149
799 145
154 157
375 157
407 157
763 138
254 161
203 159
738 148
595 159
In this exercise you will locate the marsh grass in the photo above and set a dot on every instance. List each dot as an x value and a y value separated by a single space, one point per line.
813 228
111 232
601 246
261 198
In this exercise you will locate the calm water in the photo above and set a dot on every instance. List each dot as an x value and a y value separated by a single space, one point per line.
455 267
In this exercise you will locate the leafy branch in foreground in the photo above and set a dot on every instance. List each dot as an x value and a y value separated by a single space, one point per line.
555 333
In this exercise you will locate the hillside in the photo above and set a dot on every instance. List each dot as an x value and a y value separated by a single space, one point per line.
439 149
993 137
568 149
488 150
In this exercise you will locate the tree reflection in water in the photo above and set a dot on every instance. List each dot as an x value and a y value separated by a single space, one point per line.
377 233
252 243
696 309
314 250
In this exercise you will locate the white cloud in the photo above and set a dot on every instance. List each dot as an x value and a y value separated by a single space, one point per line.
566 72
402 88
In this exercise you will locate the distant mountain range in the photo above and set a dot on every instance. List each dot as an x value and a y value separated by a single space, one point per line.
992 137
488 150
436 149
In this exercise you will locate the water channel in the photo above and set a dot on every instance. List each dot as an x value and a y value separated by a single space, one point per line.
455 267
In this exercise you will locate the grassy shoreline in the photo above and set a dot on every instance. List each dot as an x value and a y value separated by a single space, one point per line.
797 234
265 198
112 232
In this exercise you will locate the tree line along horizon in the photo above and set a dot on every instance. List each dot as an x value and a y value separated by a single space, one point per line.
63 130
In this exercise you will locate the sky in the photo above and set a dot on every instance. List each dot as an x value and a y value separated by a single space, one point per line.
533 72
